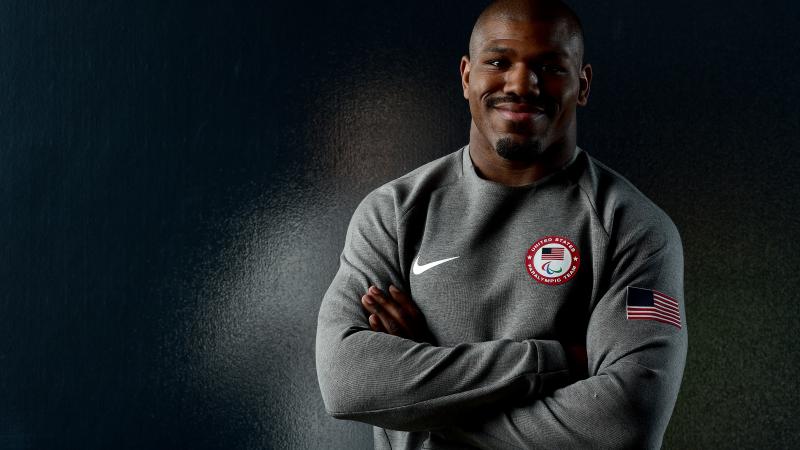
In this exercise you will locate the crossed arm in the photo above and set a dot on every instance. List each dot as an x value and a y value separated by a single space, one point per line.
398 383
504 393
393 312
406 384
532 424
625 403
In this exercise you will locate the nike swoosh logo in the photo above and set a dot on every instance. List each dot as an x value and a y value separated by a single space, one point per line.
416 269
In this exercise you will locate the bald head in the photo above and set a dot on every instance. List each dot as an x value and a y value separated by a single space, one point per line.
553 11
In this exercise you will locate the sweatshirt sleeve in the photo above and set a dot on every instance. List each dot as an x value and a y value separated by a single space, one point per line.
636 366
397 383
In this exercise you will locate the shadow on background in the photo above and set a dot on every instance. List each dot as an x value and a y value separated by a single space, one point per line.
177 178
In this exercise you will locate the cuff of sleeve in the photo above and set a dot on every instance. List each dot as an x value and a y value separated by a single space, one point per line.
552 369
552 357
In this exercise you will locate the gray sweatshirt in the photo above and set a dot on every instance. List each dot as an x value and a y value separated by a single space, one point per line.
506 277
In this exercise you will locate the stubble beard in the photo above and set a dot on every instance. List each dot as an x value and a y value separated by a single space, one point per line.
526 151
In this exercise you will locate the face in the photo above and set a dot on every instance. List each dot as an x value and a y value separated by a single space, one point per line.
524 83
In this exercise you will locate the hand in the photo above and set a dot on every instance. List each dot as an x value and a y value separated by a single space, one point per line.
395 314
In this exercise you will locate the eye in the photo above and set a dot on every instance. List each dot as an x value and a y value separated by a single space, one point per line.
554 68
498 63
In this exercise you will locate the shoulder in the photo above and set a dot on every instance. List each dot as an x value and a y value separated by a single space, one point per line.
626 214
401 194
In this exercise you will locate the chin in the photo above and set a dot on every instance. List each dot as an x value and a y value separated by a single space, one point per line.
523 151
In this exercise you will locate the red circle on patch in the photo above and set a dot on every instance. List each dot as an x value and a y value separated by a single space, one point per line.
552 260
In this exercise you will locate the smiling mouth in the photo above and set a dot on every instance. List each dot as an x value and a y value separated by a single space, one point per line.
519 112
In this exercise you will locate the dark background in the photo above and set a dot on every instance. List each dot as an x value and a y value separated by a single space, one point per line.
176 178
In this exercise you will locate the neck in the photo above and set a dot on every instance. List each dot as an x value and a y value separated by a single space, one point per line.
493 167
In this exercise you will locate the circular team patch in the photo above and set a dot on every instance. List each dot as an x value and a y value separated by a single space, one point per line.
552 260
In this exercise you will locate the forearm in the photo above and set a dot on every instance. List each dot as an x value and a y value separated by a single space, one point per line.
628 407
636 368
397 383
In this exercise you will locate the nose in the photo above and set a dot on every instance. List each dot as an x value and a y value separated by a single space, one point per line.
522 81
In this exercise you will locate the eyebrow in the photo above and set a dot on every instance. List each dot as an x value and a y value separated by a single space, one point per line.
497 50
545 55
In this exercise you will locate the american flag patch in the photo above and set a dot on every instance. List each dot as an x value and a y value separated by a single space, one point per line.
647 304
553 254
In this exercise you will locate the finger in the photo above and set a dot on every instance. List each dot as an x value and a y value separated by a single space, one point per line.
368 303
387 303
371 304
414 318
404 301
379 319
393 317
375 323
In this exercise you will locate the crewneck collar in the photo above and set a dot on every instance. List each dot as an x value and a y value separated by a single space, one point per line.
471 174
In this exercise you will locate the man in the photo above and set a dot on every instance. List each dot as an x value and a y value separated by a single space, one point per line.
515 293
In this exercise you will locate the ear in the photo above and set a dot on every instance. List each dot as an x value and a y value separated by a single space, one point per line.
585 80
465 67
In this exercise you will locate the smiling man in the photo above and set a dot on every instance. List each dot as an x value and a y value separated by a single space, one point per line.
516 293
524 81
